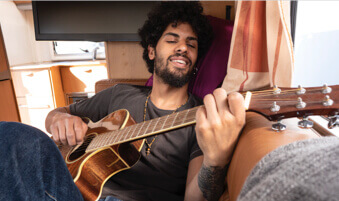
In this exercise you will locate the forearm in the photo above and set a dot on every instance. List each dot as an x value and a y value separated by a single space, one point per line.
52 114
208 184
211 181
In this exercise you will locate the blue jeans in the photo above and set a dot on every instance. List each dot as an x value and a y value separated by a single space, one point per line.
110 198
31 166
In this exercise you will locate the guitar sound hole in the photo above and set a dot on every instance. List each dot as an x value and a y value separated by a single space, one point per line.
80 151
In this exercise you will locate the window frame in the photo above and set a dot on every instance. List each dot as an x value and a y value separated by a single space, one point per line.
83 56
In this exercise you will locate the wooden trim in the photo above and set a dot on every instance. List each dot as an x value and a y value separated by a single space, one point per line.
57 89
22 2
108 58
8 103
4 64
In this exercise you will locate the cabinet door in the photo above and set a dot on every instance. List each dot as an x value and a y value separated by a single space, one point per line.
8 108
82 78
34 83
33 114
34 95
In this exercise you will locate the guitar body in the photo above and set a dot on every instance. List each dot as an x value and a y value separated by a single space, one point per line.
91 170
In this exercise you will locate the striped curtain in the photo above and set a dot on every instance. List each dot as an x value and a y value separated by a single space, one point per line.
261 52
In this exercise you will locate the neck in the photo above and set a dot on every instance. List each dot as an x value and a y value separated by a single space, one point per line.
166 97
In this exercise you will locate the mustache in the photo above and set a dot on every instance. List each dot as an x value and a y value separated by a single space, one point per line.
180 55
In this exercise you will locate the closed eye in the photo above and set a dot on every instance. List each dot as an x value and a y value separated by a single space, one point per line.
192 46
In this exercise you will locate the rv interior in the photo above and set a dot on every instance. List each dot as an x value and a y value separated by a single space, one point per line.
46 75
41 71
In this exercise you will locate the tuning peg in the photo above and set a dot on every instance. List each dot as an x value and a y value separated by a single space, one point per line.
276 90
275 107
333 121
305 123
278 126
327 101
301 90
326 89
300 103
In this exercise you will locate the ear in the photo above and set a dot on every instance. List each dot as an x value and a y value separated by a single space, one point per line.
151 52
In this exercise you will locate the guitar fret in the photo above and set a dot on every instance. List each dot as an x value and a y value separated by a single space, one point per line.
106 137
135 128
110 137
149 123
128 134
155 125
99 138
139 130
163 124
191 115
113 140
174 119
125 132
94 142
135 132
184 119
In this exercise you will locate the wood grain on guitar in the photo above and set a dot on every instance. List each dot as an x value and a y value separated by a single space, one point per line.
113 143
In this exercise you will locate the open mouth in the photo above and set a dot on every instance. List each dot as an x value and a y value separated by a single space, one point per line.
180 62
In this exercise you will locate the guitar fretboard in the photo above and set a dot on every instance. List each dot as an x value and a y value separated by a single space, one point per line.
144 129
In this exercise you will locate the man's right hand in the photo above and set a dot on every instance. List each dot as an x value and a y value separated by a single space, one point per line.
66 128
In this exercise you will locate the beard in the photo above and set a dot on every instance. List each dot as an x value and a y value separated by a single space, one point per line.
175 79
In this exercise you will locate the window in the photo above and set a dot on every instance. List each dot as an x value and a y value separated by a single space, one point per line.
316 43
316 48
76 50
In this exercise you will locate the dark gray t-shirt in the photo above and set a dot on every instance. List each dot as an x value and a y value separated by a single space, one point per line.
161 175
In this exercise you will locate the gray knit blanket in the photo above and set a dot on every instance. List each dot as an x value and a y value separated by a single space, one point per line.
303 170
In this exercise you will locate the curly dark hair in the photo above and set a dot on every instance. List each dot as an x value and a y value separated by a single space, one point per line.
175 12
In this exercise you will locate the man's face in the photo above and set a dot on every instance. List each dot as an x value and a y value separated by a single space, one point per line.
175 55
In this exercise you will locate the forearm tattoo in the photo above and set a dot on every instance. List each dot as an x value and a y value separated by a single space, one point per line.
211 181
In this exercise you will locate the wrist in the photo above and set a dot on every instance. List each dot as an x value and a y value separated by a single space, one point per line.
220 161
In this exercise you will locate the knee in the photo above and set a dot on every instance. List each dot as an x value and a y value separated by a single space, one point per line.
21 133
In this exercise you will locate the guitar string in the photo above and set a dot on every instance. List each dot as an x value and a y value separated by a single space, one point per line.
191 117
119 132
282 91
269 92
170 119
289 102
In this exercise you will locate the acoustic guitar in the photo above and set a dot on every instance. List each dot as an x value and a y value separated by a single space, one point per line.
113 144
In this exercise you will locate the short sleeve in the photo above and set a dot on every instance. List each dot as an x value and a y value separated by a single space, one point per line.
96 107
195 150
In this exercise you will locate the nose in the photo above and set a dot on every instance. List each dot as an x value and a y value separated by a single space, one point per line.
181 47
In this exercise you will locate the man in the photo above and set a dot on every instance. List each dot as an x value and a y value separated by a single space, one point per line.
185 164
172 38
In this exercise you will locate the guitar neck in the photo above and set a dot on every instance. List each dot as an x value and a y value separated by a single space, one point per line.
274 104
145 129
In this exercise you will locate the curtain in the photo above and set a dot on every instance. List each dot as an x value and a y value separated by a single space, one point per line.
261 53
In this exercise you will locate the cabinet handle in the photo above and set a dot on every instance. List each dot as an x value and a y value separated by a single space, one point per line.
88 71
35 107
30 75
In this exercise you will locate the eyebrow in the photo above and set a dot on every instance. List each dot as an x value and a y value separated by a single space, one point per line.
177 36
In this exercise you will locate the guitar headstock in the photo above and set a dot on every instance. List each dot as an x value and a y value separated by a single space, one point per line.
280 103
